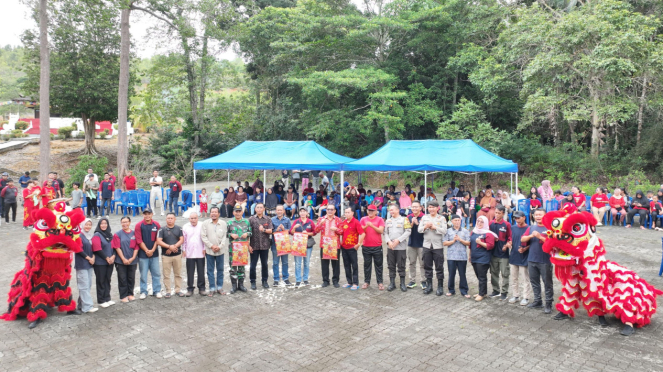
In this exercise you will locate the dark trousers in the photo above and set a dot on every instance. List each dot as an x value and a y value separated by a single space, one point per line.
481 270
172 201
434 256
106 206
351 265
9 206
91 207
396 259
263 255
538 271
461 266
643 216
336 269
103 274
126 279
193 265
372 254
655 222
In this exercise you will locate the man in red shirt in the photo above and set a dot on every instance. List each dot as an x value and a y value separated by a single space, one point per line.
129 181
353 237
372 247
308 190
329 226
112 177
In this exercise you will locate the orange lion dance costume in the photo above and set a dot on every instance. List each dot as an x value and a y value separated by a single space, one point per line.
44 281
588 278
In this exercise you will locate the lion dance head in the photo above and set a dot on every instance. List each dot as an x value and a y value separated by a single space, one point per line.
569 235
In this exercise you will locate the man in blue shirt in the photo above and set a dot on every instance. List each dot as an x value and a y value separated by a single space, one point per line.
519 276
23 181
538 263
281 223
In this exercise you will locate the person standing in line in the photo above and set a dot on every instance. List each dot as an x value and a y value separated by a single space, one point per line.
124 243
457 239
214 234
83 263
280 223
329 226
173 198
170 238
262 228
415 254
539 265
239 230
351 240
156 192
30 203
9 195
285 176
107 188
103 261
76 196
194 252
519 276
148 256
371 250
482 241
303 225
397 230
499 264
434 227
23 182
91 187
130 181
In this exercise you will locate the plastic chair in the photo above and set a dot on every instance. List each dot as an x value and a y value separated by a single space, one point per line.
660 271
133 202
523 205
186 202
143 200
84 204
588 203
552 205
117 201
124 204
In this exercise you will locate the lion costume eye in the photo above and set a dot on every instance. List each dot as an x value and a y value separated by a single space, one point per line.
76 230
555 223
578 229
41 225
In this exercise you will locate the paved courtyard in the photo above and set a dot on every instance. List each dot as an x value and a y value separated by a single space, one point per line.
329 329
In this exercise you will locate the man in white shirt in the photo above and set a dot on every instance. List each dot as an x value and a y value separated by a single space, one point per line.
87 176
155 191
324 181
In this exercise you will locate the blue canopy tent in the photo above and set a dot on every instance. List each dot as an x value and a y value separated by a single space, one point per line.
433 156
274 155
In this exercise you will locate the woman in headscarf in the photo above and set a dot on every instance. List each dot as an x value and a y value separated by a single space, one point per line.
216 198
126 248
482 242
258 198
103 261
405 201
241 198
506 202
487 205
640 206
230 201
271 201
618 205
546 191
83 263
280 191
449 194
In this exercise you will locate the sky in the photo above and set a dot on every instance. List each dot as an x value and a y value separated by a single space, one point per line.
16 18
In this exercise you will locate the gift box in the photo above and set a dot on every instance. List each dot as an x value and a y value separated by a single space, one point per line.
298 247
282 242
329 248
240 253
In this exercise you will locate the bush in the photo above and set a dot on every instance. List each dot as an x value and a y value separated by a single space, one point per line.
98 165
22 125
17 133
65 132
52 136
81 135
103 134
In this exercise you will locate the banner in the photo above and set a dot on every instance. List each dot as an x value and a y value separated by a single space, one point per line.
282 242
329 248
299 244
240 253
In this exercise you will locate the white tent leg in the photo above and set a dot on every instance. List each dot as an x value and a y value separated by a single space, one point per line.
194 186
342 191
425 190
264 184
517 189
228 179
476 184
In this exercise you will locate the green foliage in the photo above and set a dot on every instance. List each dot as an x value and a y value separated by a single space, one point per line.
17 133
65 132
22 125
99 164
103 134
11 75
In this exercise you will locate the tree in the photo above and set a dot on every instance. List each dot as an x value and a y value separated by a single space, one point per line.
44 94
123 92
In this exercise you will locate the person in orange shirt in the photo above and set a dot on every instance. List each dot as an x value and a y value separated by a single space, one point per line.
330 226
31 196
352 239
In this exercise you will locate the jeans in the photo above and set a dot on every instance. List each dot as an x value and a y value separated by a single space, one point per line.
9 206
481 270
193 265
461 266
416 256
91 207
126 279
84 281
538 271
105 211
350 263
465 223
275 265
336 269
499 267
263 256
103 274
173 201
298 266
383 212
372 254
212 263
152 265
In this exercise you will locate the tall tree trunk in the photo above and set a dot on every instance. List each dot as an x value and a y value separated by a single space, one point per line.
596 125
123 95
386 127
90 134
554 127
455 89
641 109
44 98
203 74
572 132
191 85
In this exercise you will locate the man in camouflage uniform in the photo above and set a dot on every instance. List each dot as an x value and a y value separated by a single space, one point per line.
397 229
239 230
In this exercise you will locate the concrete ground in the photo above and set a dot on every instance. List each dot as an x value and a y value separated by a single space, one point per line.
329 329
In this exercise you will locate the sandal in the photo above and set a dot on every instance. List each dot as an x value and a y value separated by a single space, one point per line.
642 227
381 287
167 295
346 286
364 286
221 292
354 288
180 294
210 294
466 296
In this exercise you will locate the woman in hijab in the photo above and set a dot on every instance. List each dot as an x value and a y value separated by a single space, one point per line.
482 242
640 206
83 263
506 202
257 198
216 198
124 243
449 194
271 201
103 261
405 202
230 201
280 191
241 198
546 191
487 205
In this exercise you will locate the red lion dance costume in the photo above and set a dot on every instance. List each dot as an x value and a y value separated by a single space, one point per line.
44 281
588 278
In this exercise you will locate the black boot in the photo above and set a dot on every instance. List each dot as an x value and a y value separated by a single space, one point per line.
626 331
264 284
429 286
560 316
603 322
34 324
234 284
548 308
253 286
240 285
403 286
74 312
440 287
535 305
392 284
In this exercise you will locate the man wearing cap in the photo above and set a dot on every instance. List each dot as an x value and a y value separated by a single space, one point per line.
90 188
434 227
372 248
457 240
239 230
414 252
215 237
330 226
519 282
90 172
9 195
397 229
148 255
280 223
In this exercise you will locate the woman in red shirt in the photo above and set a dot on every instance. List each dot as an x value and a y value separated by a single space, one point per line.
599 202
579 198
617 203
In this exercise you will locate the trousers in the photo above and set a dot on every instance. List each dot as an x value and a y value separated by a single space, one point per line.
538 271
155 194
150 265
9 206
519 283
91 207
499 267
126 279
103 274
434 256
263 256
481 271
372 254
172 264
416 258
336 269
195 266
351 265
84 281
396 262
641 212
215 262
461 267
276 259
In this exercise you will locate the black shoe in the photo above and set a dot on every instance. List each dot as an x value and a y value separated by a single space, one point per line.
547 309
603 322
234 285
264 284
412 284
240 285
325 284
75 312
392 284
34 324
253 286
561 316
440 287
297 284
535 305
276 283
503 296
287 283
626 331
403 286
423 286
306 282
336 285
494 294
429 286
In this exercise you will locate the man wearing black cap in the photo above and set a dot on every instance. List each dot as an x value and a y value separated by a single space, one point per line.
148 255
519 275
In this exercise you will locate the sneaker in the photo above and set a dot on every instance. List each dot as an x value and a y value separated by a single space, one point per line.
306 282
276 283
494 294
92 310
336 285
412 284
287 283
158 295
298 284
599 224
110 303
503 297
188 293
142 296
104 305
423 286
524 302
513 300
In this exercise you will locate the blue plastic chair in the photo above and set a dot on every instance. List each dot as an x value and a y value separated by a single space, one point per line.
143 200
552 205
186 202
117 201
84 204
523 205
588 203
660 271
124 204
133 202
